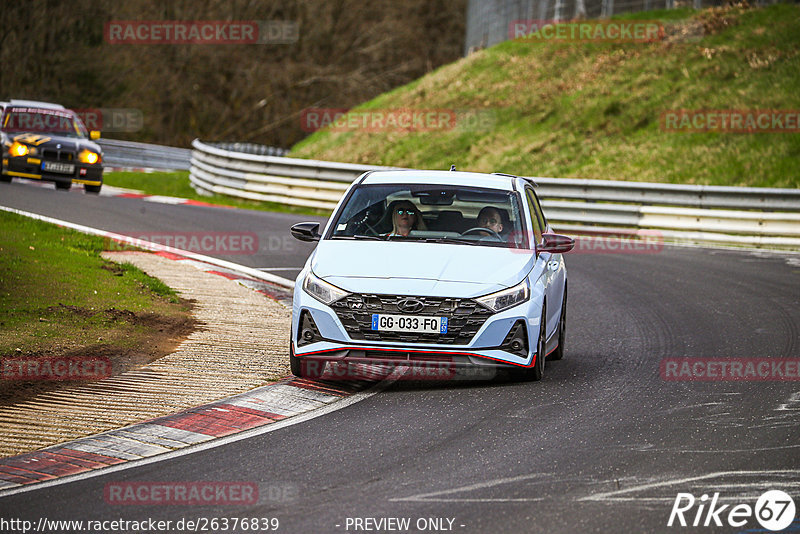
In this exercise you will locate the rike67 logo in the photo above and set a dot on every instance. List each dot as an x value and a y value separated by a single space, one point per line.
774 510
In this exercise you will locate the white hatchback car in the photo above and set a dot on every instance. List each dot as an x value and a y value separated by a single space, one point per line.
432 266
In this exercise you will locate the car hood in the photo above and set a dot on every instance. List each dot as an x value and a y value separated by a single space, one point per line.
44 140
344 263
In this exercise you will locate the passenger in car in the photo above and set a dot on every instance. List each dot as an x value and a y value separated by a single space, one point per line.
405 217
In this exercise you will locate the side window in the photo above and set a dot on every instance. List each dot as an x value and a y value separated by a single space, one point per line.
536 216
539 212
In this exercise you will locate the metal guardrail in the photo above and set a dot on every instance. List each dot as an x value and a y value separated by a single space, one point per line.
251 148
739 215
118 153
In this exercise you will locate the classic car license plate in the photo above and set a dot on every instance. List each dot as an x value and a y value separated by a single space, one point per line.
409 323
55 166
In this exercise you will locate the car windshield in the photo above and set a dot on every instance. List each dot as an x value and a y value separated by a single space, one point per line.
43 121
432 214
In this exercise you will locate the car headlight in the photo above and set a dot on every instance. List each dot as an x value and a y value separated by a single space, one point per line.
507 297
87 156
17 149
322 290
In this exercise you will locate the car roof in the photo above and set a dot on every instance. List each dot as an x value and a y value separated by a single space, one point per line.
476 179
35 104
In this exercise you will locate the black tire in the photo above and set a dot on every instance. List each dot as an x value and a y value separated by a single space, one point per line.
294 362
63 186
535 373
302 370
5 178
558 354
95 189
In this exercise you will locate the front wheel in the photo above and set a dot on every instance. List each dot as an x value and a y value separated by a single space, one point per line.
303 368
5 178
92 188
535 373
294 362
562 328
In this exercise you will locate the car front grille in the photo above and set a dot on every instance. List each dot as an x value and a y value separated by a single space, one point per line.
58 155
465 317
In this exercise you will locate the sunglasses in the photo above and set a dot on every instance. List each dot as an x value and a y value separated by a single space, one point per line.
407 212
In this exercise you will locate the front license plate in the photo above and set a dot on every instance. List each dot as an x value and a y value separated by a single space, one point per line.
409 323
55 166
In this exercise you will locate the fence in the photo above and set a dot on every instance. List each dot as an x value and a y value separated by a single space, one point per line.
706 214
488 21
118 153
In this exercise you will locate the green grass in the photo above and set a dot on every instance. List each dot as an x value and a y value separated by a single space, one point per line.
176 184
57 294
592 110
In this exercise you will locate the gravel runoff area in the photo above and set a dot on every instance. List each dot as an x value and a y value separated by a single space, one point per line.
241 344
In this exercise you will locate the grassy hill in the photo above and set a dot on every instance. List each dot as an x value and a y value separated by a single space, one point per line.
593 110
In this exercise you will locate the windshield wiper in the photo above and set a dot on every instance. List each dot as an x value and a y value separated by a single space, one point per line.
357 237
458 240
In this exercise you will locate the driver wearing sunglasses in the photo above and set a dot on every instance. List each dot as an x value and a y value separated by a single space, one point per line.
406 217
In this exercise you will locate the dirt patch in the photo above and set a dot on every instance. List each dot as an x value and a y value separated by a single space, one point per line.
161 323
113 268
153 337
235 343
718 19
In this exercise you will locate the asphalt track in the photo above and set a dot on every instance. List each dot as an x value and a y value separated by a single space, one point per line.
602 444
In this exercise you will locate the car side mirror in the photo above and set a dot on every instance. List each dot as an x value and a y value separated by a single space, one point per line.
555 244
307 231
94 134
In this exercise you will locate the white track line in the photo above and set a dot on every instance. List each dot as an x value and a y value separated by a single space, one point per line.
216 442
157 247
613 495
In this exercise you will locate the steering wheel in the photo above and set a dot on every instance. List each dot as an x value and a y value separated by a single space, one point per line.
369 230
492 233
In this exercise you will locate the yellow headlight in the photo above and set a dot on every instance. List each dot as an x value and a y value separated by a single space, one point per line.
17 149
87 156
